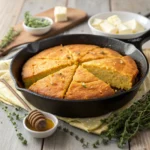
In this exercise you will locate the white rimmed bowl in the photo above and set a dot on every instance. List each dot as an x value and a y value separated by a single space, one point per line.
42 134
124 16
41 30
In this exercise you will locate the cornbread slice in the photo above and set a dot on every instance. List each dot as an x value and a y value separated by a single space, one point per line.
118 72
100 53
86 86
35 69
55 53
79 50
54 85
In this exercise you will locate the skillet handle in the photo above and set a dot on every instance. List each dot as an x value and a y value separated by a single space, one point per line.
138 42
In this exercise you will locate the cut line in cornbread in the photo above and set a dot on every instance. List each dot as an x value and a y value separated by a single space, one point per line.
79 50
118 72
86 86
56 84
35 69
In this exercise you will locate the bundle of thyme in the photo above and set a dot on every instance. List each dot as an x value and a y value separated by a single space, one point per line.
8 38
125 124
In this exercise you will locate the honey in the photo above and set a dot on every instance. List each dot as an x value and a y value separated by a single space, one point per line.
49 125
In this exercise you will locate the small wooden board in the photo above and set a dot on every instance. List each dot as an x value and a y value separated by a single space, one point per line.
75 17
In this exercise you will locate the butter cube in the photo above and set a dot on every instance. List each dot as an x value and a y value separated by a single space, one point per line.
114 20
60 13
122 29
96 23
108 28
134 26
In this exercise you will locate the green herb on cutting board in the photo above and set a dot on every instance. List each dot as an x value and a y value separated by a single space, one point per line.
126 124
8 38
35 22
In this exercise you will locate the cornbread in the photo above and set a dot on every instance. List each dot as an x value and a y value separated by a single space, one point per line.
118 72
100 53
56 84
86 86
79 50
36 69
79 71
55 53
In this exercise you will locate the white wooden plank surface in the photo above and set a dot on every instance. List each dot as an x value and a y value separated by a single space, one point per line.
9 12
136 6
63 141
142 140
8 137
37 6
91 7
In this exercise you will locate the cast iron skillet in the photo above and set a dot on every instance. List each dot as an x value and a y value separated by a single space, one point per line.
82 108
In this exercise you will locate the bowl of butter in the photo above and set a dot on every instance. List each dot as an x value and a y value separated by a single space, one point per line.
119 24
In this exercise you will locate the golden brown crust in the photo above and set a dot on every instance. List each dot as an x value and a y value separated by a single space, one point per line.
82 75
45 66
54 85
87 87
79 50
35 69
124 66
55 53
100 53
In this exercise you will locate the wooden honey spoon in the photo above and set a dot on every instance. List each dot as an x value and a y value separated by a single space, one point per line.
36 119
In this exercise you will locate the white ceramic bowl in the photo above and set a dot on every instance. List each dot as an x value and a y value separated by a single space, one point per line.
124 16
39 31
42 134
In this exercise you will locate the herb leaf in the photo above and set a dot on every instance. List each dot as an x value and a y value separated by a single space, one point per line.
8 38
35 22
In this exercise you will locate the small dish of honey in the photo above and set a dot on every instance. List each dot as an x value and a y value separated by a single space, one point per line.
50 128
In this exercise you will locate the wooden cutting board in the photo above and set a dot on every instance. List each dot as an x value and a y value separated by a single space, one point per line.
75 17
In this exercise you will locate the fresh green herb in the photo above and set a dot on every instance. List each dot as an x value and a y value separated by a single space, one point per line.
102 52
68 57
35 22
20 137
13 117
84 85
81 140
8 38
125 124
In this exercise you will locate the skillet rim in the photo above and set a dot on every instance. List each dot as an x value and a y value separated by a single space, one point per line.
135 86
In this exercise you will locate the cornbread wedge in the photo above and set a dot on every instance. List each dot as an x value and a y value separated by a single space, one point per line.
118 72
35 69
79 50
55 53
54 85
86 86
100 53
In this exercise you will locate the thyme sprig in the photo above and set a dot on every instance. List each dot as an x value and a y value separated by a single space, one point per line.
127 123
14 117
80 139
35 22
8 38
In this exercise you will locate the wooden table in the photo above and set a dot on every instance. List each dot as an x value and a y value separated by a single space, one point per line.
11 12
